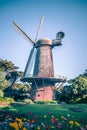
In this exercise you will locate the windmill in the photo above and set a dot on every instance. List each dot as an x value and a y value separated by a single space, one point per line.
42 80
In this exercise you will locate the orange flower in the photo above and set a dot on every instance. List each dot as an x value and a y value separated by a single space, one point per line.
14 125
24 128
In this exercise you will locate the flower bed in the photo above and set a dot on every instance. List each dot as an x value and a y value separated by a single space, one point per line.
11 120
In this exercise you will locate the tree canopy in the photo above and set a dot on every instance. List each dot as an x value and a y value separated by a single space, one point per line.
75 91
3 82
6 65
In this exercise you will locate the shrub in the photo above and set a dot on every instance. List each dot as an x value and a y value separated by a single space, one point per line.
29 101
53 102
1 94
7 100
39 102
46 102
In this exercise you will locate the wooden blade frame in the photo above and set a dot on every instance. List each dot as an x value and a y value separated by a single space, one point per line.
24 34
39 28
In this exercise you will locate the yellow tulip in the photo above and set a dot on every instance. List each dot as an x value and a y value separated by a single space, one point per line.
77 124
53 127
14 125
45 116
71 122
24 128
62 117
38 128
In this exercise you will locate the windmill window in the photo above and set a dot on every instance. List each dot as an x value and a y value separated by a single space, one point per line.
38 95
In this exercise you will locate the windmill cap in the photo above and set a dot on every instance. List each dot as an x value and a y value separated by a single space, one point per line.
45 41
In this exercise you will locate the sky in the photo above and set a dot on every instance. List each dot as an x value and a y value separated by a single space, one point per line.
69 16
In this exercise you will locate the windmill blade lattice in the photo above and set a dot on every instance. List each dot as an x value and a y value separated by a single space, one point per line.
39 28
30 62
23 33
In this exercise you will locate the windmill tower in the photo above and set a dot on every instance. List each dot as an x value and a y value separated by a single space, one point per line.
42 80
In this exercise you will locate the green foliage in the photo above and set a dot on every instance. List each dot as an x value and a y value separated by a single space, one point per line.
65 94
14 75
6 65
79 100
28 101
7 100
23 90
18 91
79 86
3 82
75 91
8 81
46 102
1 94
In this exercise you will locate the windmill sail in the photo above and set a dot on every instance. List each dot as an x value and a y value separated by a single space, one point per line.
30 63
39 28
23 33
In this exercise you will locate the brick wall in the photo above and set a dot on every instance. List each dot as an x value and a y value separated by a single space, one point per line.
45 93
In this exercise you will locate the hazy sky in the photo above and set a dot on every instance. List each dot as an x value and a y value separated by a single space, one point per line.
69 16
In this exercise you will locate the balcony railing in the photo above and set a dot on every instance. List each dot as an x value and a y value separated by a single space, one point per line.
55 76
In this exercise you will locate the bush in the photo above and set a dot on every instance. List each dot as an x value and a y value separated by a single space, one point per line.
1 94
46 102
29 101
7 100
53 102
79 100
24 96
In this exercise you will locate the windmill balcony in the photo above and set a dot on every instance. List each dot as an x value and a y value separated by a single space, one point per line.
32 78
55 76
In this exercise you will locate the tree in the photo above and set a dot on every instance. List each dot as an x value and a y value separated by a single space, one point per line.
8 81
3 82
10 70
8 76
12 76
19 91
6 65
85 73
79 86
75 91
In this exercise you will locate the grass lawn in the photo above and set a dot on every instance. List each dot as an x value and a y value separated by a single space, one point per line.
56 110
48 110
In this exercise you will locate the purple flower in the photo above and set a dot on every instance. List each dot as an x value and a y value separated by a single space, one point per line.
59 126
